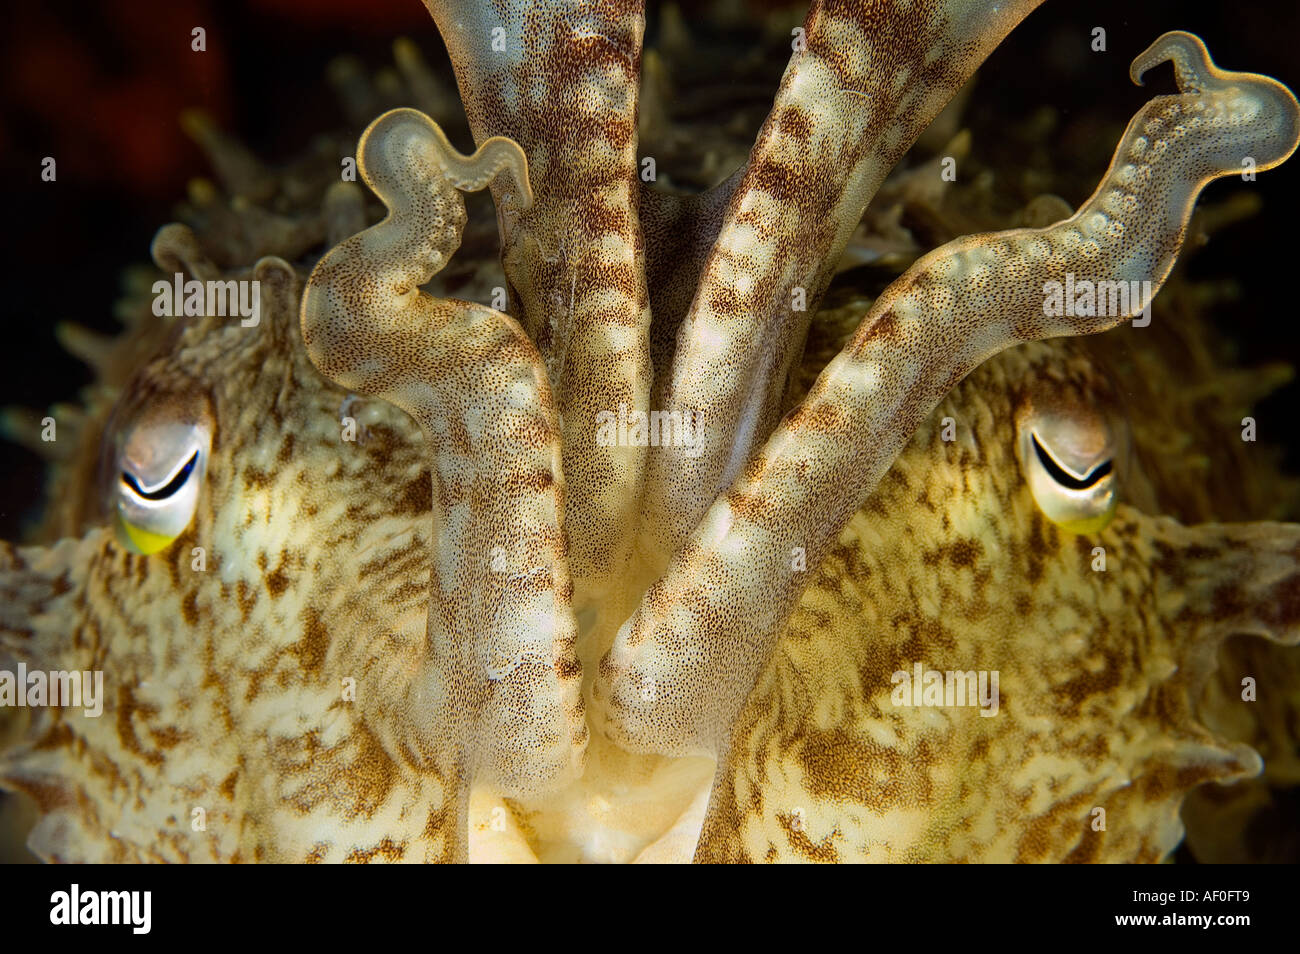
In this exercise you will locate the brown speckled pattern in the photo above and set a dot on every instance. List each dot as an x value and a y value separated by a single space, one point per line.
1099 671
952 310
379 652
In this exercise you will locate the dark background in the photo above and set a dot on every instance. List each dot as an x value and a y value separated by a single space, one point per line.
99 86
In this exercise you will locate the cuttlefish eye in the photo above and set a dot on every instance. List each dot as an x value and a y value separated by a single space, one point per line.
158 469
1068 456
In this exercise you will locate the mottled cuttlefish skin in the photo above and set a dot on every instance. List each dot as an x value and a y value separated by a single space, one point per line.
1099 669
864 81
562 79
953 309
224 668
502 684
422 613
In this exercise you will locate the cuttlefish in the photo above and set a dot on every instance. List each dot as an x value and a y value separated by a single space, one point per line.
636 559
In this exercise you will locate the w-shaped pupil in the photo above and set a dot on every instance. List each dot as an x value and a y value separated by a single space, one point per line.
173 485
1063 476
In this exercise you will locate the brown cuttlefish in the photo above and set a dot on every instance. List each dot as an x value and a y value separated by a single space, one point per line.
635 554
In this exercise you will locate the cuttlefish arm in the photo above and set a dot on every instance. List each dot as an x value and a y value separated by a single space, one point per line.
499 699
689 639
1093 735
1079 662
865 79
561 78
222 726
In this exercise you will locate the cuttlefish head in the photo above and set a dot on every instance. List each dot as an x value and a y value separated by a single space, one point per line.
1003 557
239 527
1005 540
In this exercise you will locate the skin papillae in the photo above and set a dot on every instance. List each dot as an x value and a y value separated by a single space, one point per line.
480 565
683 665
952 310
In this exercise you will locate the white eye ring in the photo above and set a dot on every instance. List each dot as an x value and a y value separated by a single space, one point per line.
160 470
1069 463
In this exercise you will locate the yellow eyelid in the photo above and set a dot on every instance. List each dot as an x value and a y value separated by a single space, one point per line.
1076 442
139 540
1090 525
